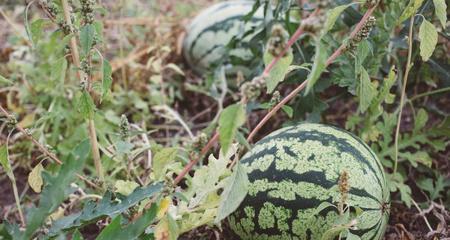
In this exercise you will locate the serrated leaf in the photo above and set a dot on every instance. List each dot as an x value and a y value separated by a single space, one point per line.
279 70
4 161
54 191
428 37
440 8
108 206
131 231
332 16
86 105
107 78
233 193
318 66
208 179
367 91
123 147
411 9
162 158
87 34
35 178
58 70
125 187
36 29
230 120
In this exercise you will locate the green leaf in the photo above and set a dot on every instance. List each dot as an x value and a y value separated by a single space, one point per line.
332 233
4 161
440 8
322 206
54 191
279 70
77 235
367 90
58 70
162 158
132 231
288 110
396 183
108 206
173 227
332 16
233 193
36 29
123 147
4 80
107 78
362 51
428 37
87 34
421 120
230 120
125 187
86 105
411 9
319 65
434 188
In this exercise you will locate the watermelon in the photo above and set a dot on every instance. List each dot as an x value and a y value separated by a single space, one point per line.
294 189
204 46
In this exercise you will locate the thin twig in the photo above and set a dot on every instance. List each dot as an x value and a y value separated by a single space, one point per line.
266 71
402 96
14 186
81 75
291 95
425 94
44 150
423 215
294 93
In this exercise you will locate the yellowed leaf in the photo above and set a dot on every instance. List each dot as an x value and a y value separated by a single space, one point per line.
163 207
35 178
162 230
27 121
59 213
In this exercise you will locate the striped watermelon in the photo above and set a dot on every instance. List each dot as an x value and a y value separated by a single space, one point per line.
208 34
295 169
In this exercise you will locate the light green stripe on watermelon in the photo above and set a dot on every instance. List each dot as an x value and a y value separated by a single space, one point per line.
210 32
294 169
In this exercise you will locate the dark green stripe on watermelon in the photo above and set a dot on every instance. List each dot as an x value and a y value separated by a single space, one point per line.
224 25
278 188
325 139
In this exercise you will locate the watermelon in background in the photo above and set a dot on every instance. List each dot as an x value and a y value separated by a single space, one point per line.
209 33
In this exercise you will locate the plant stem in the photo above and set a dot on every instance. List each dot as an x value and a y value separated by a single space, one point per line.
14 186
44 150
82 76
402 96
294 93
429 93
291 95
